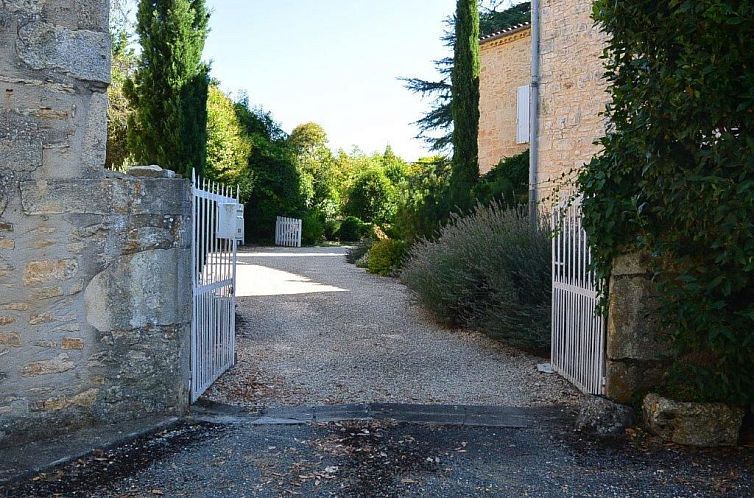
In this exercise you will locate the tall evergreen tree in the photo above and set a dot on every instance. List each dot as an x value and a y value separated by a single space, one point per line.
436 125
465 104
169 90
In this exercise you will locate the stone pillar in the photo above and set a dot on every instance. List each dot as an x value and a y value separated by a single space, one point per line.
637 353
95 305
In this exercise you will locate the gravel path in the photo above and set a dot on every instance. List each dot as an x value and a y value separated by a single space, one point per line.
316 330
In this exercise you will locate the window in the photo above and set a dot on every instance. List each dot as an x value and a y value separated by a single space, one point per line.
522 115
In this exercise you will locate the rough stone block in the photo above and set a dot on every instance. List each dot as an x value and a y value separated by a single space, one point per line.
150 171
162 277
626 378
83 400
15 307
72 343
633 328
40 318
603 417
39 272
83 54
7 320
630 264
62 363
10 339
693 424
94 140
28 7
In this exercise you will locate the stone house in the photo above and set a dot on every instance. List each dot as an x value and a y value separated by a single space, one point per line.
572 92
505 73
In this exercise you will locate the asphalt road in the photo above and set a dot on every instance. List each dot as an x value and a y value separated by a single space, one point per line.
383 458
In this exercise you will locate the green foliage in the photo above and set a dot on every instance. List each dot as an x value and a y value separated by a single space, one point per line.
119 110
276 179
169 89
352 229
424 200
228 144
676 178
316 166
372 197
332 229
359 250
465 104
489 270
492 21
386 256
506 183
312 228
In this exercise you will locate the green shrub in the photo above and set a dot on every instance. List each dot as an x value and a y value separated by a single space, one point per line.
386 256
359 250
489 270
332 229
506 183
312 228
352 229
372 197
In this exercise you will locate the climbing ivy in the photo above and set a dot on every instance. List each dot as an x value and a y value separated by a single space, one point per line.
676 178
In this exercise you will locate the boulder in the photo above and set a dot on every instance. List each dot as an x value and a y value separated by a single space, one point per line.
604 417
693 424
151 171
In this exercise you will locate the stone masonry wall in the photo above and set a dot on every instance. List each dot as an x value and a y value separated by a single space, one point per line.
637 351
95 294
572 90
505 66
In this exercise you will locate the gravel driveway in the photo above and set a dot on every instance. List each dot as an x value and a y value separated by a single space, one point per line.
316 330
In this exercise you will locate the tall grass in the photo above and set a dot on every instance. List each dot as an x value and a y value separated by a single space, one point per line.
489 270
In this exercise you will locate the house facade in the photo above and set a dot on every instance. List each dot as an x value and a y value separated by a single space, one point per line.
505 73
572 90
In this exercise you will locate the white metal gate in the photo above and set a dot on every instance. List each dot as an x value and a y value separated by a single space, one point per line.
288 232
216 228
578 331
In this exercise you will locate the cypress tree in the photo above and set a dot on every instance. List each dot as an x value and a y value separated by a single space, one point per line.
465 104
169 89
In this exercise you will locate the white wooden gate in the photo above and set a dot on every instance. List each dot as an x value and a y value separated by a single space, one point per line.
288 232
216 230
578 331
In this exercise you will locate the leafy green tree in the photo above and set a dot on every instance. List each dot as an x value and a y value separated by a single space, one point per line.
316 166
119 110
423 203
169 89
372 197
228 144
465 104
395 168
276 188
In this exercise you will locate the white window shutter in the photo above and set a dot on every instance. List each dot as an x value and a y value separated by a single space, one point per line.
522 115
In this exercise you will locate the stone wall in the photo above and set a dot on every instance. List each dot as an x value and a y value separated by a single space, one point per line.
637 352
572 90
95 294
505 66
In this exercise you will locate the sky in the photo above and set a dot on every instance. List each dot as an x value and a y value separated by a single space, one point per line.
334 62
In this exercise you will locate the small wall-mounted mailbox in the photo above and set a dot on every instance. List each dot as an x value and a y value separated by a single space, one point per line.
227 220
